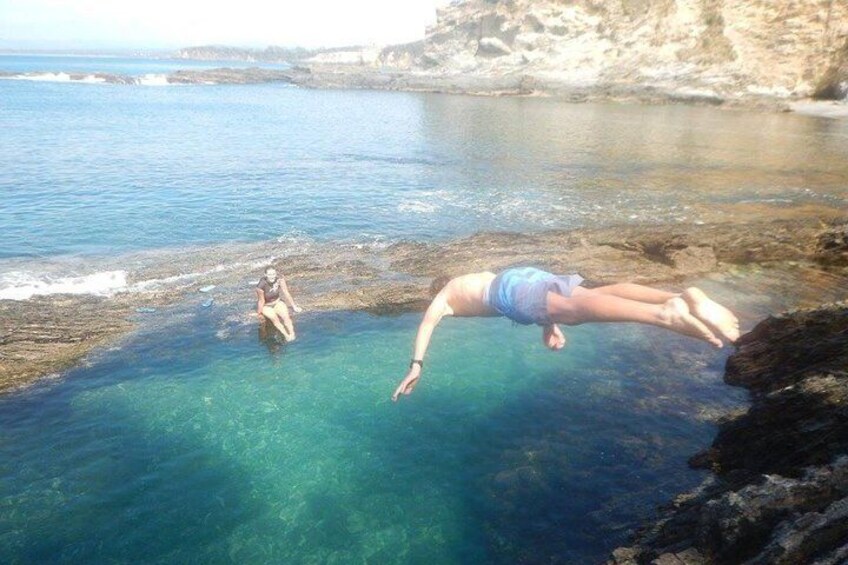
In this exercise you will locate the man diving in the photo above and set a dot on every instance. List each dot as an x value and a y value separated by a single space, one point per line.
532 296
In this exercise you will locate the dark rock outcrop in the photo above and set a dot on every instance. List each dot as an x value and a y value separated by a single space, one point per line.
780 489
833 85
226 75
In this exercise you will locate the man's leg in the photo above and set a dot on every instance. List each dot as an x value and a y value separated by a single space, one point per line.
271 314
630 291
283 312
599 307
718 318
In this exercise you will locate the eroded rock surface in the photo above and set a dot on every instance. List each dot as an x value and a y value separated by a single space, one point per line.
694 51
780 489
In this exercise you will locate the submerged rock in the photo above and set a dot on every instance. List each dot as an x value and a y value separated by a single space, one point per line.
779 493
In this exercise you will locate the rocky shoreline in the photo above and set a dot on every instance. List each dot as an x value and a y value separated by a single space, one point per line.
355 77
779 490
40 337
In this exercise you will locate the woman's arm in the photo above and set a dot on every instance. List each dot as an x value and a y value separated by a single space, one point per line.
284 289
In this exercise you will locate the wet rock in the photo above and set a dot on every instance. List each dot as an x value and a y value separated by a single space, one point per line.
694 259
833 246
38 337
253 75
780 490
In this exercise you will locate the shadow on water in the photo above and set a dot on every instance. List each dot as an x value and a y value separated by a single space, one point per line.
113 500
272 339
85 480
549 476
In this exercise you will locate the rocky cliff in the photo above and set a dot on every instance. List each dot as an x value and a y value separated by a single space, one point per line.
701 50
780 490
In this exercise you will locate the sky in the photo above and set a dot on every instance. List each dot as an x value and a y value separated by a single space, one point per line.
165 24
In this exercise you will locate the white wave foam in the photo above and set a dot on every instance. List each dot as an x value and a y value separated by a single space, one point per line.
767 201
149 79
189 279
23 286
417 207
58 77
152 79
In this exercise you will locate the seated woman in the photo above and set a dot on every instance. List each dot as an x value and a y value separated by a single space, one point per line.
269 305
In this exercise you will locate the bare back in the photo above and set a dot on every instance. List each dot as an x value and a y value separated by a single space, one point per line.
464 295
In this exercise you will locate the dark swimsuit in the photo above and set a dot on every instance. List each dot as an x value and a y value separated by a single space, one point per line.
270 291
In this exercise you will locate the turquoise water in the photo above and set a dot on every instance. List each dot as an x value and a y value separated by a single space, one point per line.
204 441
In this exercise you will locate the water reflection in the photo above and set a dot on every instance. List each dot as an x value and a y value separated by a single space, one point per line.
271 338
630 160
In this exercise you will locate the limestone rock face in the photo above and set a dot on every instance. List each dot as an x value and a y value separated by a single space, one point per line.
688 48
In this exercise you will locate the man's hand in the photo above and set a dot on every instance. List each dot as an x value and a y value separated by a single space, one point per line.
408 383
297 309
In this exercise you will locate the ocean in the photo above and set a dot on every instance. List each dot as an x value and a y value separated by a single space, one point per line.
201 438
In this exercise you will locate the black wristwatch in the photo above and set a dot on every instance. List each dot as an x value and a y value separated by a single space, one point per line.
418 362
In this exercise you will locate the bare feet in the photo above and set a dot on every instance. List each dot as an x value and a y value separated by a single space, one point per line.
716 316
553 337
675 316
285 333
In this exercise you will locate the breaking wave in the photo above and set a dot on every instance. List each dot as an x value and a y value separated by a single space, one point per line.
18 285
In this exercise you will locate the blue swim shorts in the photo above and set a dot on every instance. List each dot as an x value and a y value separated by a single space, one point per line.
522 294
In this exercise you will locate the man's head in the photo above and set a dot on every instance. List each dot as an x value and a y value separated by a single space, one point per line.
438 284
271 274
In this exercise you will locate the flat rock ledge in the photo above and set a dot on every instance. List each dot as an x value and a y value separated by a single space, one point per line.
779 490
516 83
40 337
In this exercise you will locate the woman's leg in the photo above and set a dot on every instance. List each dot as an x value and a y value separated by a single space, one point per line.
283 312
270 313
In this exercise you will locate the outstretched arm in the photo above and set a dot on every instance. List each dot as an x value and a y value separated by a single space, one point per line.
287 297
437 310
